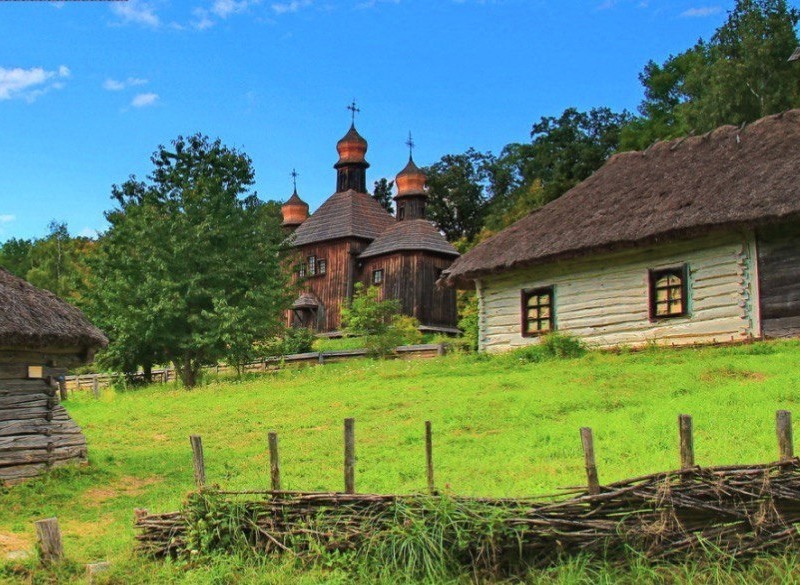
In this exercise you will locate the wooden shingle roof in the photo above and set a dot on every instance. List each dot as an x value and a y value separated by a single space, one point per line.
348 214
731 177
410 235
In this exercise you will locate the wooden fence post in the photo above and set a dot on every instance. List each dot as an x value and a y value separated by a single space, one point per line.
440 350
591 466
96 386
685 429
274 462
321 358
783 424
48 536
198 460
429 456
349 456
62 388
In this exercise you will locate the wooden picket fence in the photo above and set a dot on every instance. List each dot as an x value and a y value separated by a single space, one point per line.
741 511
95 382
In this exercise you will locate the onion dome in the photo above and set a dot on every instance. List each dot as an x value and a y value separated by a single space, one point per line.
410 181
294 211
352 148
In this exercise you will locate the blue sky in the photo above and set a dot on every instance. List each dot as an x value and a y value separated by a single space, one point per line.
88 90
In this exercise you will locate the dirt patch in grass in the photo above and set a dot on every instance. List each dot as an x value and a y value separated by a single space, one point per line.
124 486
13 545
732 374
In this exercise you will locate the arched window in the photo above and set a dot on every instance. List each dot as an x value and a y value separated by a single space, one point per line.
669 293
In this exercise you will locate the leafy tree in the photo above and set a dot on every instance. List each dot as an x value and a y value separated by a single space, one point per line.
15 256
567 149
378 321
458 193
190 270
58 262
384 194
740 75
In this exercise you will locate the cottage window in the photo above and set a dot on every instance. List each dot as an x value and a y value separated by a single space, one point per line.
377 276
322 266
312 265
538 315
668 293
302 270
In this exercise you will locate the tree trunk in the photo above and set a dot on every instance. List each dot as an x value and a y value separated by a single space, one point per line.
188 371
147 372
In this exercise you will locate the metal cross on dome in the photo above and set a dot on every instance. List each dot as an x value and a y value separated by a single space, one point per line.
295 174
354 109
410 144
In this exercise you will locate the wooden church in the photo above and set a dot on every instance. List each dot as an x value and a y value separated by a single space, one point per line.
351 238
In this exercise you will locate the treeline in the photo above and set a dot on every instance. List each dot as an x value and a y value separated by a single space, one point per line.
738 76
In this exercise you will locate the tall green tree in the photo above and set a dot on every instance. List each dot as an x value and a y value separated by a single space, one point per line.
15 256
741 74
384 194
58 262
458 193
191 269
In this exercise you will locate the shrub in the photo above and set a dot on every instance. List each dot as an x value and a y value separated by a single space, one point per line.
558 345
379 322
294 340
469 322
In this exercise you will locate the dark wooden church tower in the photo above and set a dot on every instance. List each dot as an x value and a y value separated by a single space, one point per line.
351 238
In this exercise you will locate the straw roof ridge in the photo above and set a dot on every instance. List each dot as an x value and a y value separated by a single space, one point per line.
345 214
34 318
730 177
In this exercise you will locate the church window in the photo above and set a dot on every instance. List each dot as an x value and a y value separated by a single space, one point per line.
669 293
538 311
377 276
302 270
322 266
312 265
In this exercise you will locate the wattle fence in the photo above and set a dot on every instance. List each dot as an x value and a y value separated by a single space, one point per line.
739 511
164 375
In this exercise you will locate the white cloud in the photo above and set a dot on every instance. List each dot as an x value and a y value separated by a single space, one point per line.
114 85
88 232
7 218
143 100
290 6
136 12
30 83
701 12
224 8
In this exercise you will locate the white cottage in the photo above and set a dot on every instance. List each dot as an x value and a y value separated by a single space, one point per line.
696 240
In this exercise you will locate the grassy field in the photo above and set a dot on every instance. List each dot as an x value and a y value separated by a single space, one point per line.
501 428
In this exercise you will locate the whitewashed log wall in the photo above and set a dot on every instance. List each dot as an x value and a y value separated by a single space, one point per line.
604 299
36 433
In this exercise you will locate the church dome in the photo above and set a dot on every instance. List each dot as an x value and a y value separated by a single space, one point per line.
411 180
352 148
294 211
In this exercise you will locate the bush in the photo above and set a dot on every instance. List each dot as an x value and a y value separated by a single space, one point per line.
469 322
552 346
379 322
294 340
562 346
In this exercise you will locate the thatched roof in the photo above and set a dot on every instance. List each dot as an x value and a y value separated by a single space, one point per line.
33 318
344 215
410 235
727 178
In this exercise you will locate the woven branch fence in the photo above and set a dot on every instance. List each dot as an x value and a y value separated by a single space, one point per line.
741 511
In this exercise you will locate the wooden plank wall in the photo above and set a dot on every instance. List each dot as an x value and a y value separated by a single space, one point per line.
604 299
36 433
411 278
779 280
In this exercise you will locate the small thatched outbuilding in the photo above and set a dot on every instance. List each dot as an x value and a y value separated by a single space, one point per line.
40 337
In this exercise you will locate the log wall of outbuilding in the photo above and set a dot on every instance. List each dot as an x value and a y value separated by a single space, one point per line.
36 432
604 298
779 280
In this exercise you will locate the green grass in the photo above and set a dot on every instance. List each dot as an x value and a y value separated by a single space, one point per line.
501 428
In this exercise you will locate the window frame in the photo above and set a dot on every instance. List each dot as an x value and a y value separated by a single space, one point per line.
656 274
526 295
322 266
312 265
382 279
